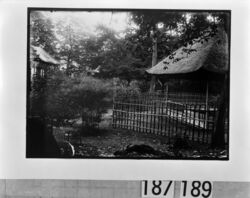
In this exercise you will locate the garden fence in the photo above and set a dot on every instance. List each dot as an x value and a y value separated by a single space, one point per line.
186 115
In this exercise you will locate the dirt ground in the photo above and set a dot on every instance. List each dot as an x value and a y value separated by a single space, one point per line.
104 143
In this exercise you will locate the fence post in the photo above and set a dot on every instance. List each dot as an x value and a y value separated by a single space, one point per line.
193 121
114 114
199 122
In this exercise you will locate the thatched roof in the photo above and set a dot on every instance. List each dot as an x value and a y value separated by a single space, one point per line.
37 53
211 55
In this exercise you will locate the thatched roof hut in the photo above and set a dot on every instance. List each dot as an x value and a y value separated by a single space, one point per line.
207 59
40 55
41 62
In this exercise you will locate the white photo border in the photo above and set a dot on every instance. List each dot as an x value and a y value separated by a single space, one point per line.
13 64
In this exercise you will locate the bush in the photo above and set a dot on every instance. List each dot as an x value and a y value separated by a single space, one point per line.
63 99
93 97
124 88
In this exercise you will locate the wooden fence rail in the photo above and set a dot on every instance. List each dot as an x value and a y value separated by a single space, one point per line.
162 116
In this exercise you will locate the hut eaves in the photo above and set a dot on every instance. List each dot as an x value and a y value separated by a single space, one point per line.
41 54
211 55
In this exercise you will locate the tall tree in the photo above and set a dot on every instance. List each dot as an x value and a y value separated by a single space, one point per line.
42 32
110 51
70 46
153 30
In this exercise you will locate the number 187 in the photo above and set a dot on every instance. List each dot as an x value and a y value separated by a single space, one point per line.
157 188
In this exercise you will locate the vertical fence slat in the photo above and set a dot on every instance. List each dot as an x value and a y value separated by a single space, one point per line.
169 120
199 122
114 115
204 131
162 122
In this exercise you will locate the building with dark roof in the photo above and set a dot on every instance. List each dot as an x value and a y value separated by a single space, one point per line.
41 61
205 60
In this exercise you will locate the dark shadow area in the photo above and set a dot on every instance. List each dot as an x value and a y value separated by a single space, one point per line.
40 141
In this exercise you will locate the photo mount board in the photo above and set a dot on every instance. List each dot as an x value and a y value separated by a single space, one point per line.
13 163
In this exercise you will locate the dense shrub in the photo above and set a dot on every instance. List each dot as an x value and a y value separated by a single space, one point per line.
125 88
92 97
63 99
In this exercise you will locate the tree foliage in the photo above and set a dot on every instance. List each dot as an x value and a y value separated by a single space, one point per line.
42 32
125 56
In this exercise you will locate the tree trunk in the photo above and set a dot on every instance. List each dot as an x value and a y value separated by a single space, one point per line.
154 53
82 119
154 62
218 139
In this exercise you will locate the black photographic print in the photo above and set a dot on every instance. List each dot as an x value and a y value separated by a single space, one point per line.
128 84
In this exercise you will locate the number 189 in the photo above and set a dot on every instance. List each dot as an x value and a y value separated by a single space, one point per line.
198 189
